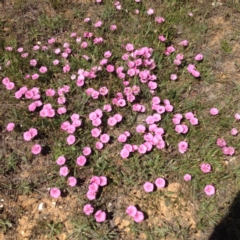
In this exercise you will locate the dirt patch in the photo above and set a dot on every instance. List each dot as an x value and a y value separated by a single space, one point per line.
162 208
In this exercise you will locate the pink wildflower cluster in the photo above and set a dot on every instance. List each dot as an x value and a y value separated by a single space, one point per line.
192 69
100 216
117 5
64 170
149 187
94 185
71 127
103 91
225 149
30 134
112 121
47 111
95 117
33 93
8 84
123 137
166 107
137 216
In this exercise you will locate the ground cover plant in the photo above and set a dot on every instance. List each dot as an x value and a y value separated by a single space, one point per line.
110 120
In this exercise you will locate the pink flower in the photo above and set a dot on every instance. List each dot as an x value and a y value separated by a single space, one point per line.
103 181
139 216
107 54
199 57
10 86
61 160
160 182
100 216
87 151
71 139
176 120
237 116
107 108
20 49
221 142
55 192
173 77
103 91
81 161
205 167
104 138
35 76
162 38
95 179
159 20
122 138
182 146
140 128
150 120
209 190
96 122
33 132
66 68
131 210
177 62
33 62
189 115
234 131
213 111
10 127
50 92
43 69
124 153
112 121
110 68
187 177
88 209
62 110
150 11
148 187
86 20
118 117
84 45
194 121
63 171
113 27
36 149
228 150
179 128
93 187
98 24
169 108
72 181
99 145
95 132
129 47
91 195
195 73
184 43
55 62
142 149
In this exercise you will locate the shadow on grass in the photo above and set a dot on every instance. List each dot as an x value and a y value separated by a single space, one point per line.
229 227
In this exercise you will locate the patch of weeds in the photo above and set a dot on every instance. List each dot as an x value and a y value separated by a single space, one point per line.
47 228
226 46
85 228
5 224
